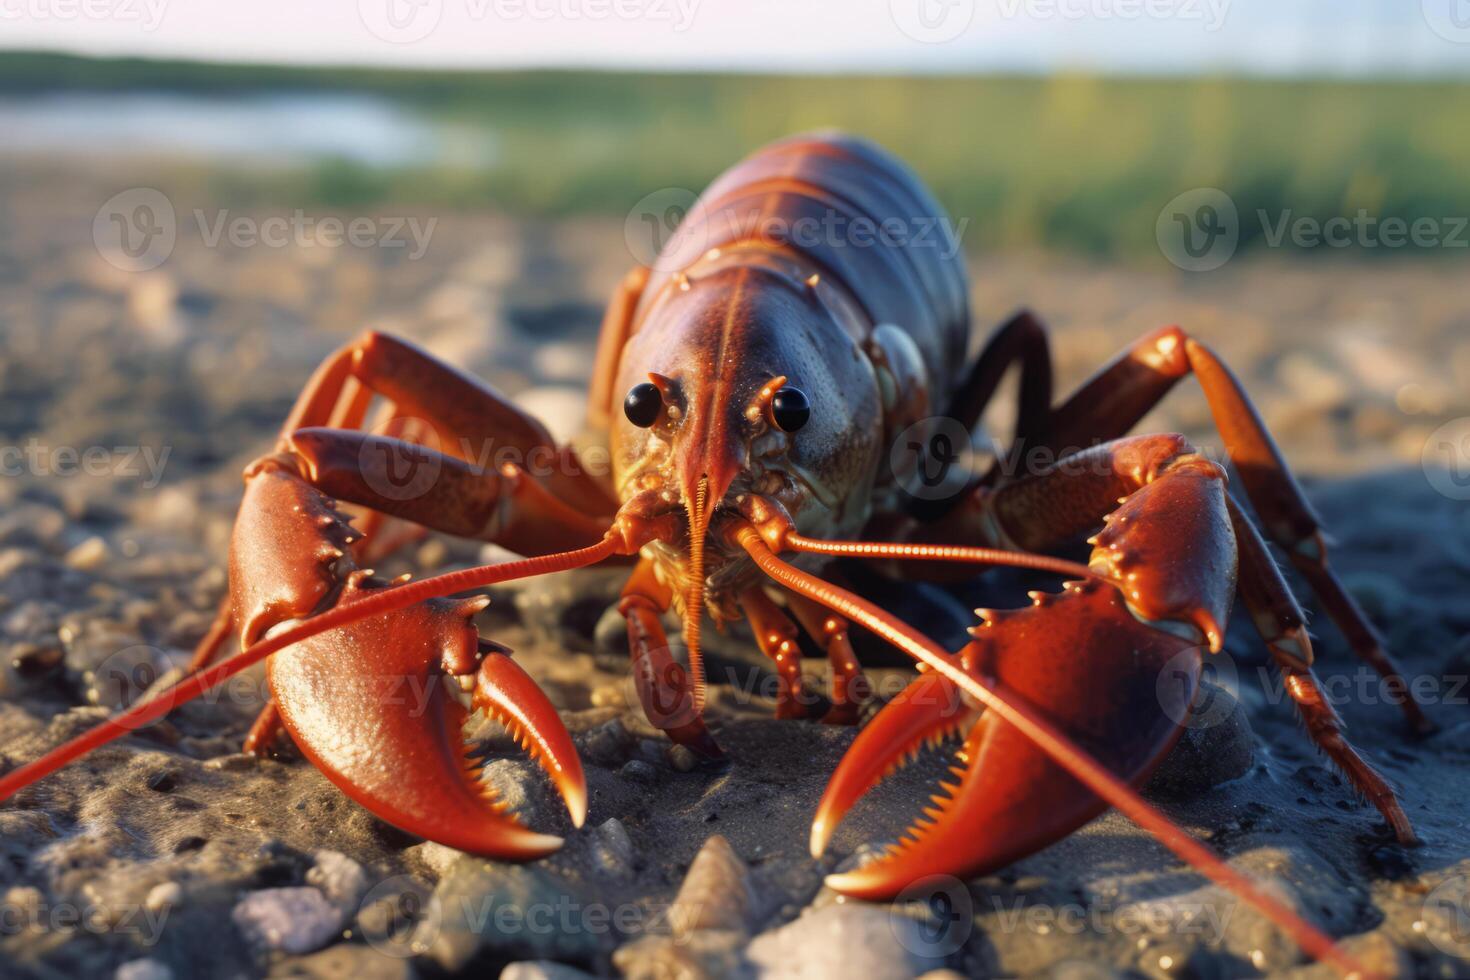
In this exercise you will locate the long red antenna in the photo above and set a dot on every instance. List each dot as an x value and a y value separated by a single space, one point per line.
374 604
937 552
1049 739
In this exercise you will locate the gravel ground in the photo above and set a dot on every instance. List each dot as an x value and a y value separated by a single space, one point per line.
132 399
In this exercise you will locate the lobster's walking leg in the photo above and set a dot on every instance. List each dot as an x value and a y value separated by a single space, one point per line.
509 507
849 686
1119 395
467 416
1021 340
617 327
1279 620
214 639
264 730
777 637
662 682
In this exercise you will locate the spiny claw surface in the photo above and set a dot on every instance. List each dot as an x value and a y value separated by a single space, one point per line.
1081 658
368 705
924 713
380 705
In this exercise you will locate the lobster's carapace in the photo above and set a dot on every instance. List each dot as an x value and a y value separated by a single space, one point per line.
757 387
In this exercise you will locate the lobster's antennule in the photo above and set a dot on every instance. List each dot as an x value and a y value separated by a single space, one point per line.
694 604
1058 746
379 602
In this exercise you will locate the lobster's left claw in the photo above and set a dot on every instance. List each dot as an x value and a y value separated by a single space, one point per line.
508 694
1108 680
380 706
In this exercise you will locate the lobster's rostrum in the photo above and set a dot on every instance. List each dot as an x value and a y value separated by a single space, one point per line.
752 386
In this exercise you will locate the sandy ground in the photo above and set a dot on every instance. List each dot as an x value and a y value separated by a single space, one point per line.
169 854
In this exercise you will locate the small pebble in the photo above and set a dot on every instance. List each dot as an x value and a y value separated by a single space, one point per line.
143 970
638 771
608 744
612 848
609 696
290 920
88 556
542 970
164 896
682 758
340 878
716 892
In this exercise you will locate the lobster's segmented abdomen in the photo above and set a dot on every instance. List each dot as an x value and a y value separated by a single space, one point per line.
856 214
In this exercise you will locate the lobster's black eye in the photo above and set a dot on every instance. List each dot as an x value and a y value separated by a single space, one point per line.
643 404
790 409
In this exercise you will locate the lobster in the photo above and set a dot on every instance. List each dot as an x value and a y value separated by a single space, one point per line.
751 382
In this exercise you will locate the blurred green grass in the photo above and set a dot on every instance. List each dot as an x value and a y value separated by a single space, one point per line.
1073 162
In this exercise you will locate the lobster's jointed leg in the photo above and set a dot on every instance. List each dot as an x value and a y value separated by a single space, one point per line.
1022 341
1278 619
1117 398
849 686
777 637
467 415
662 683
264 730
617 327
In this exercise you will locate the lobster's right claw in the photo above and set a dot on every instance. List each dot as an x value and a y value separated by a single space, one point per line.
1083 659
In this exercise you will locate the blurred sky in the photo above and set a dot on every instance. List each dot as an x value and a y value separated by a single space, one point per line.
1337 37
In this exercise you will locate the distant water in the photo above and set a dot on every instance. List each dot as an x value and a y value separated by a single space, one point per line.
282 128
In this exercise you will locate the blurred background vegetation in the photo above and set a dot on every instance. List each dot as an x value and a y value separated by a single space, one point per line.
1070 162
